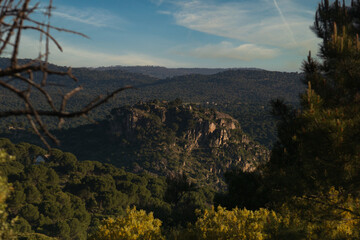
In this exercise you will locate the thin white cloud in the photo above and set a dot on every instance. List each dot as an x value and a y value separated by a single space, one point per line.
226 50
256 22
84 57
80 57
285 21
90 16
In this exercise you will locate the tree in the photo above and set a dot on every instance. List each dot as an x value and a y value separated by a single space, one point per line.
25 78
236 224
330 215
327 216
136 224
319 145
5 230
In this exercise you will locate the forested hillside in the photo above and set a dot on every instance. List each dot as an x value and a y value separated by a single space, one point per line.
165 138
163 72
58 196
242 93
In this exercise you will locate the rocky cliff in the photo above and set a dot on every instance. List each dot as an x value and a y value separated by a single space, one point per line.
166 138
172 137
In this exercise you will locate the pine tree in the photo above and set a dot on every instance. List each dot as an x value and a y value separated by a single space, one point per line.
319 145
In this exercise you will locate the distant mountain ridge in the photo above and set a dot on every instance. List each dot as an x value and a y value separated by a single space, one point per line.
158 72
242 93
163 72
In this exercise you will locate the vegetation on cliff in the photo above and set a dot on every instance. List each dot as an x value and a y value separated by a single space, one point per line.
167 138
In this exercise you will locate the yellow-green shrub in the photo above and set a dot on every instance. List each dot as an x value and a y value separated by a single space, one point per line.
327 216
334 215
136 224
236 224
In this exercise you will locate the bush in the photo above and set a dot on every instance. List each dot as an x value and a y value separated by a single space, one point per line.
333 215
136 224
327 216
236 224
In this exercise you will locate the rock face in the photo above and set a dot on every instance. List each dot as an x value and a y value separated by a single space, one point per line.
175 137
202 127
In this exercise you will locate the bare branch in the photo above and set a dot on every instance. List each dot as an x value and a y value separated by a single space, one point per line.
18 22
15 18
68 96
59 114
38 87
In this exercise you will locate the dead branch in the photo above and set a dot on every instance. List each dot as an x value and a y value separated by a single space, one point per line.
16 18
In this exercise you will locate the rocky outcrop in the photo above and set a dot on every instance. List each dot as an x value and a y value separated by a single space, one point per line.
197 138
210 127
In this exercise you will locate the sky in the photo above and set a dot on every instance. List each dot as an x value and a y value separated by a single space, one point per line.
267 34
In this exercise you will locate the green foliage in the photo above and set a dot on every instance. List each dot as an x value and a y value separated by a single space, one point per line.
236 224
245 189
136 224
69 202
333 215
185 197
22 226
5 230
319 146
328 216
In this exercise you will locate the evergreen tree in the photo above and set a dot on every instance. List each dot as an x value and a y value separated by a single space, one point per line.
319 145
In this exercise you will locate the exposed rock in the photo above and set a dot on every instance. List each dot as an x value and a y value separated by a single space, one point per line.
206 142
211 128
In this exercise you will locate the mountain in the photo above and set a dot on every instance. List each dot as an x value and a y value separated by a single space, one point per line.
167 138
242 93
163 72
93 78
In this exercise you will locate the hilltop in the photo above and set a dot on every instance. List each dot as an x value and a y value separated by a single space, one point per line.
163 72
167 138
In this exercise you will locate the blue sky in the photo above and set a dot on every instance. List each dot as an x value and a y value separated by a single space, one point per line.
268 34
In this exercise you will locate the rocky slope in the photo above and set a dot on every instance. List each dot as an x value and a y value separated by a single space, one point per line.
168 138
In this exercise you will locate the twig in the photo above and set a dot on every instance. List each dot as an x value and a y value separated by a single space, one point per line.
15 18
